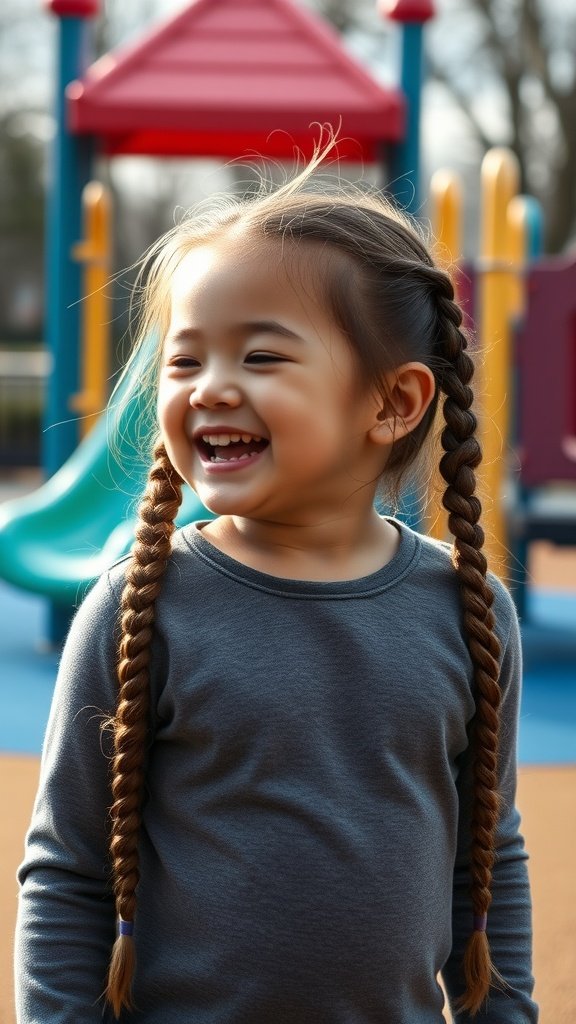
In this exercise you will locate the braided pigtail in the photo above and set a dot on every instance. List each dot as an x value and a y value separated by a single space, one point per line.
462 455
143 582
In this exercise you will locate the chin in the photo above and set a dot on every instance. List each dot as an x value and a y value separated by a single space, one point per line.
219 504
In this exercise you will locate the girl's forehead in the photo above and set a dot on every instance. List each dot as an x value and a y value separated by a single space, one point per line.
229 281
220 255
195 266
238 263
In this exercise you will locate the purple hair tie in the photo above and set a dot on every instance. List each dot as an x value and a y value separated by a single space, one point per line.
480 922
125 927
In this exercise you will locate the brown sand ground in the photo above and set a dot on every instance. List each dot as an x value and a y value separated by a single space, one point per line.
547 801
553 567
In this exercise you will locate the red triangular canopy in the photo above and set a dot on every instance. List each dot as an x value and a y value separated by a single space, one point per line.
221 76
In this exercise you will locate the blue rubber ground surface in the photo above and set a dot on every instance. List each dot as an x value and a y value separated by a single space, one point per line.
548 717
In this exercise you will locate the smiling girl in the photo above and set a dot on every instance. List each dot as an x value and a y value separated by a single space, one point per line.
307 809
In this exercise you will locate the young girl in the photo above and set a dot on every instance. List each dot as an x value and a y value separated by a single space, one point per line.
306 813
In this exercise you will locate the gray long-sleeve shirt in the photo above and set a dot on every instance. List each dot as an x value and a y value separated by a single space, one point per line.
304 849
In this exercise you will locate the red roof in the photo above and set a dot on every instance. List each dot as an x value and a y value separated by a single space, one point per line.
222 75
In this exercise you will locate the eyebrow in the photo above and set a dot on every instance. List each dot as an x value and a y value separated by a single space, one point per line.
270 327
187 334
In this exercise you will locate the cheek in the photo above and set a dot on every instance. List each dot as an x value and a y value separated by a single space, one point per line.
171 411
171 418
172 399
162 410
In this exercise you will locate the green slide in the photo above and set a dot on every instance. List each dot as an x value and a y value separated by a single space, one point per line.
56 541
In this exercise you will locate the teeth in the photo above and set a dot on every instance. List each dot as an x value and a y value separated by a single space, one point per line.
240 458
216 440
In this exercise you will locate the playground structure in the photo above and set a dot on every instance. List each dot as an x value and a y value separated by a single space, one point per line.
525 308
56 541
203 84
94 252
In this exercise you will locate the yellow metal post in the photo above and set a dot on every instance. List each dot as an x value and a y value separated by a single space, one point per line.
94 251
517 228
446 215
446 220
499 179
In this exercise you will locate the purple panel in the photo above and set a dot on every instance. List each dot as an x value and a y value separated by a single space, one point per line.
547 375
465 283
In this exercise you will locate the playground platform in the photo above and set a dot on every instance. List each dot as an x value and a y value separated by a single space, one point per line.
547 788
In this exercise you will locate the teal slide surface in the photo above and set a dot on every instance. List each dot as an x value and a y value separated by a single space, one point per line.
59 539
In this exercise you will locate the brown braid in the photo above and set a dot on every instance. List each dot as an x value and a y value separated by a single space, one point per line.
143 582
461 458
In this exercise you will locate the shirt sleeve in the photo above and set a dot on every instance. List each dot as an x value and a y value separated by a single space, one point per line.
509 918
66 919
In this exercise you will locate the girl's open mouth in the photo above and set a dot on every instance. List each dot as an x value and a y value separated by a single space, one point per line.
219 449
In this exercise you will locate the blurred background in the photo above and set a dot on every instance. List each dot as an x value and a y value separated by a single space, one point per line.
497 73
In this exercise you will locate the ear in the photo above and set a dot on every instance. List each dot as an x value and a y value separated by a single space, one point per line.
410 389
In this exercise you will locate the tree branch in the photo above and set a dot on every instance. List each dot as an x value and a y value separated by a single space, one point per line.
533 37
461 100
493 38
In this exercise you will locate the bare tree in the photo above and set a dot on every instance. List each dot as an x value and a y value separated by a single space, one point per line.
510 66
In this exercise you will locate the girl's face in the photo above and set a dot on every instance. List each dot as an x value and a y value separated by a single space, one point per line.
259 403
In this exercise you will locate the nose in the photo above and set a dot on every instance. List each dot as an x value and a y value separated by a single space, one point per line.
215 387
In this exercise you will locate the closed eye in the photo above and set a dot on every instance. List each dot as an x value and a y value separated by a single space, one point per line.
184 363
265 357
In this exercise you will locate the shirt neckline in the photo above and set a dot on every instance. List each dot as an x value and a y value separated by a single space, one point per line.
401 563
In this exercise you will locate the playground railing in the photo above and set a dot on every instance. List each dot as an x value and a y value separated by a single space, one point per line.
22 389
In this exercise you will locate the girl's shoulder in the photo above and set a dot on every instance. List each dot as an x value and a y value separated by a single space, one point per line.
437 564
110 584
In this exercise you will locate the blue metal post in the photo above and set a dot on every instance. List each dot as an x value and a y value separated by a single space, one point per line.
534 228
404 166
534 246
70 171
403 170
